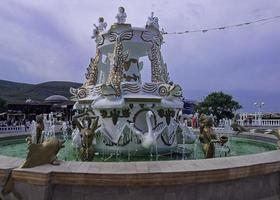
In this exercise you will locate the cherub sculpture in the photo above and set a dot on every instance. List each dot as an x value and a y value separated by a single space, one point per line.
99 28
152 21
87 126
101 24
121 16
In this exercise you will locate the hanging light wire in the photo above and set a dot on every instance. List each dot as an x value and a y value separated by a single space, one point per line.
222 27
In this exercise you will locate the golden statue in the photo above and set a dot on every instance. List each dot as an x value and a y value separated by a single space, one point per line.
39 129
40 154
87 127
207 136
276 133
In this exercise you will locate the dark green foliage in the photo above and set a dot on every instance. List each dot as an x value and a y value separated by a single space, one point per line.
3 105
219 104
14 92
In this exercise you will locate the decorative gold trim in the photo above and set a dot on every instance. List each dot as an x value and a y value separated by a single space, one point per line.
92 70
119 58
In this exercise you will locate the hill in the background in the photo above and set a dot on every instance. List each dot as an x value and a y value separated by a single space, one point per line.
14 92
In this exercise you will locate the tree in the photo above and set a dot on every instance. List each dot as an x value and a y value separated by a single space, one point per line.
3 105
219 104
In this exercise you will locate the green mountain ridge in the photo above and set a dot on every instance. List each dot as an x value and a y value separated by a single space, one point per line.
14 92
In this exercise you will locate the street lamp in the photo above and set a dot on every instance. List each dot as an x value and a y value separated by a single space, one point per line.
258 105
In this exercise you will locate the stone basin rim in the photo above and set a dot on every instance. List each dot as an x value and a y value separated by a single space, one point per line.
151 173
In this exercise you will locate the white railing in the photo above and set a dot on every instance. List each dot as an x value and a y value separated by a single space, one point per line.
270 122
262 122
12 129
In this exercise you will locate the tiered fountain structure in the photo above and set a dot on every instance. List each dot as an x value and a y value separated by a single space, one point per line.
133 115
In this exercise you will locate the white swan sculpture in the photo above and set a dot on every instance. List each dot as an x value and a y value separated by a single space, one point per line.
149 138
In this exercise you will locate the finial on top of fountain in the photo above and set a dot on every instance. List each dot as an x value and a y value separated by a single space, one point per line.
121 16
152 21
100 27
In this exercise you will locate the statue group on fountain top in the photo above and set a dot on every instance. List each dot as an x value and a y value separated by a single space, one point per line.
121 19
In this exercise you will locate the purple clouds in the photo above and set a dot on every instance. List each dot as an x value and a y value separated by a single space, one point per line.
50 40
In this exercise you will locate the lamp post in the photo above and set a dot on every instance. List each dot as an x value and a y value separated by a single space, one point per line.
258 105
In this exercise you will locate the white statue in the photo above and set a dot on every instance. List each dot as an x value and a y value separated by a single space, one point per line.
46 126
51 132
152 21
33 131
101 24
121 16
149 138
99 28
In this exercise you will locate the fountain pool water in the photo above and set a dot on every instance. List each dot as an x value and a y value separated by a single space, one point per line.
238 146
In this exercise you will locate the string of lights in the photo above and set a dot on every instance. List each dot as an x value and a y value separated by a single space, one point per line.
223 27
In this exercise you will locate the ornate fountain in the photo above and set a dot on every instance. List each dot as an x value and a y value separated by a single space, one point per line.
132 115
117 112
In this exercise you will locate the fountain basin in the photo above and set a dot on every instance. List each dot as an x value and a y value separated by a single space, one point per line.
253 176
257 176
241 145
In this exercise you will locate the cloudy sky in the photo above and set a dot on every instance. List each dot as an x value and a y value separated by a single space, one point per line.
50 40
